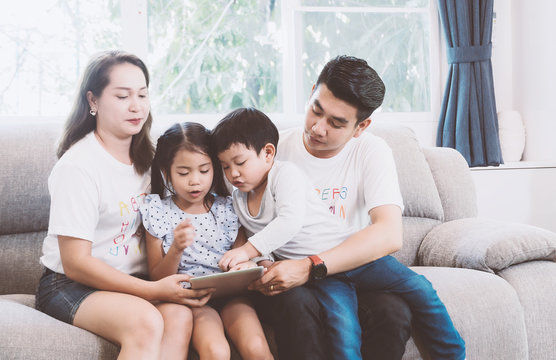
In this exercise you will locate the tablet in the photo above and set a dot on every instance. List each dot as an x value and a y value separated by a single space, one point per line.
227 283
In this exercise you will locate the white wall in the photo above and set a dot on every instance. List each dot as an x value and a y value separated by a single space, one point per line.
534 74
524 195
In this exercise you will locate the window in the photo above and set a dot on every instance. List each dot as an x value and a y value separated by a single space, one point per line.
393 36
45 45
215 55
210 56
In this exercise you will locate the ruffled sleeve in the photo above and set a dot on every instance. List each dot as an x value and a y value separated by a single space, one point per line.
153 215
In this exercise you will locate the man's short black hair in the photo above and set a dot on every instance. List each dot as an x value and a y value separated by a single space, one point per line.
352 80
247 126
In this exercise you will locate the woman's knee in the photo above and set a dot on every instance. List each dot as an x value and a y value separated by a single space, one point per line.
122 318
146 327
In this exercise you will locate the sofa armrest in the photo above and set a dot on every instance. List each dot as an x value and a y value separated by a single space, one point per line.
487 245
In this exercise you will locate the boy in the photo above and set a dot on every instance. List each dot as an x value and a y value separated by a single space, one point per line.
282 215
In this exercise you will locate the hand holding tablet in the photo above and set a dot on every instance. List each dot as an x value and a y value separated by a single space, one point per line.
228 283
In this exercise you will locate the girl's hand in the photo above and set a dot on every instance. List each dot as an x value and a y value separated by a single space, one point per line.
184 234
171 289
244 265
232 258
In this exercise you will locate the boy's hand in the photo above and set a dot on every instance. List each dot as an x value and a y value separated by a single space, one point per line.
244 265
184 234
265 263
233 257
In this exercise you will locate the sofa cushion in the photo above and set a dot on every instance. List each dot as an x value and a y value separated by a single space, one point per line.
30 334
535 285
485 310
25 199
417 185
487 245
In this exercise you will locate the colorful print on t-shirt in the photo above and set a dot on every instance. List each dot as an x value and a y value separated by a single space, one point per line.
335 198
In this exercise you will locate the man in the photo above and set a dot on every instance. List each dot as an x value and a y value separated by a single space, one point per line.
355 175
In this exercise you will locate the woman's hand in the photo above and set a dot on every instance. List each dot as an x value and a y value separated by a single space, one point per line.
184 234
171 289
282 276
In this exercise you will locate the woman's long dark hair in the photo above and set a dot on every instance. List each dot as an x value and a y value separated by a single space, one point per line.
80 122
188 136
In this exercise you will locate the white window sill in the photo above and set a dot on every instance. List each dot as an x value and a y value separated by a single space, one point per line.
545 164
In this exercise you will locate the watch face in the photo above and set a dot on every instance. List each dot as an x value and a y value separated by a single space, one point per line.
318 271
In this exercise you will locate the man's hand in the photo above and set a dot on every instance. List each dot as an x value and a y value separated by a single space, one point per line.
184 235
282 276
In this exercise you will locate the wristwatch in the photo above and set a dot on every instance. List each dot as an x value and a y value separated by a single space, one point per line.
318 268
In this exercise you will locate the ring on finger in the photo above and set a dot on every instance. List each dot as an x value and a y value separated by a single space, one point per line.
271 287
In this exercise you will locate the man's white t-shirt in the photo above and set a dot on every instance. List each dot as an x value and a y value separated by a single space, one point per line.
96 198
291 222
359 178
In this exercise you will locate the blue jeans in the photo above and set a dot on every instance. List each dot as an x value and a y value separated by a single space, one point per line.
337 295
297 318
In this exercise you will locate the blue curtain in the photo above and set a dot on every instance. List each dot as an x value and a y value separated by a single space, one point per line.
468 121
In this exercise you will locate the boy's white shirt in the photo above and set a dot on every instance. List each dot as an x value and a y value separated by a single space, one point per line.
96 198
359 178
292 222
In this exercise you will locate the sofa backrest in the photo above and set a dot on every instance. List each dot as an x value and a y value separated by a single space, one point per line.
431 194
435 185
27 156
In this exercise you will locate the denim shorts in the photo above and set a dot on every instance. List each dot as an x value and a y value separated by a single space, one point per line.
59 296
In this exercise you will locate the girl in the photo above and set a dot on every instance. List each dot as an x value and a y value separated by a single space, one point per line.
93 253
189 230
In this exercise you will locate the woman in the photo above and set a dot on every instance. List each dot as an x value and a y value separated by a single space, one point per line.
94 254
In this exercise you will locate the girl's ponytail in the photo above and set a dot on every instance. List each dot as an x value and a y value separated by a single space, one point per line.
157 181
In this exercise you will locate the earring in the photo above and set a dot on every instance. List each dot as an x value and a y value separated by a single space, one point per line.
93 112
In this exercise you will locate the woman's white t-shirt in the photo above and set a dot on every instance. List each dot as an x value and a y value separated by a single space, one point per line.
96 198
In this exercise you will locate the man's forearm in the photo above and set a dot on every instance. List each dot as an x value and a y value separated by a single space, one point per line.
366 245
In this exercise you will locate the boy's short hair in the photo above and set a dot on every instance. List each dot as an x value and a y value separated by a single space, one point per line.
352 80
247 126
